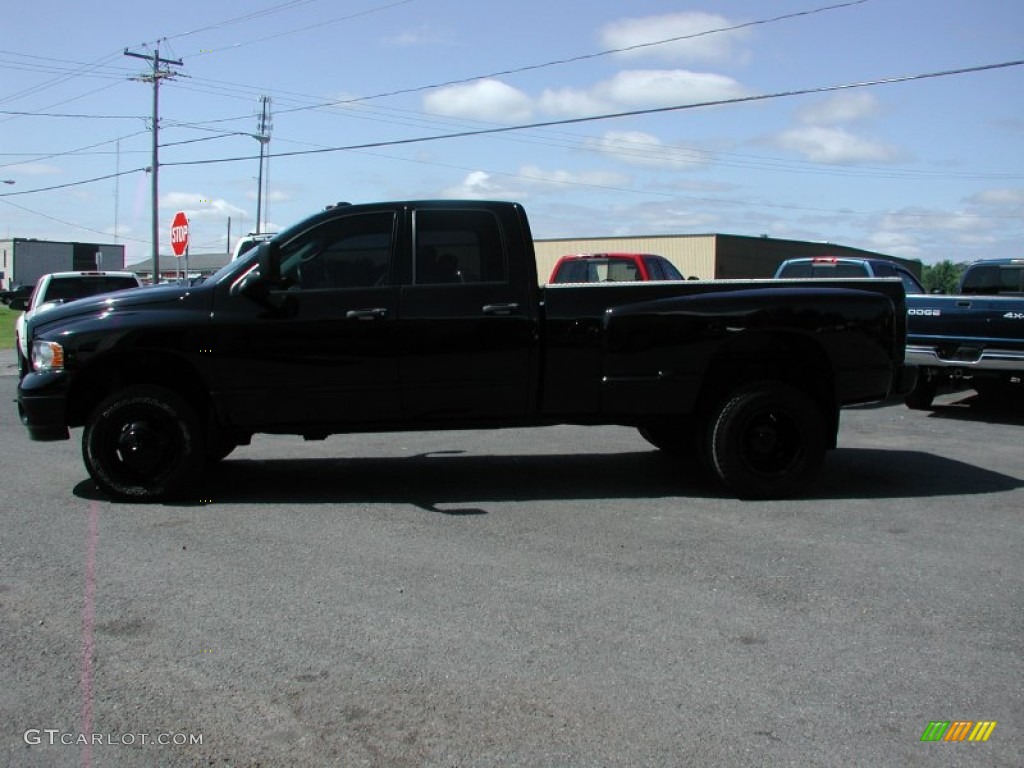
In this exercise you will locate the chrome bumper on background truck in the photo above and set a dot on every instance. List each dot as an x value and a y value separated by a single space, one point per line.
967 357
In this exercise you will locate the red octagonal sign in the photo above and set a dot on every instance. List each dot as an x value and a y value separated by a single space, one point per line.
179 233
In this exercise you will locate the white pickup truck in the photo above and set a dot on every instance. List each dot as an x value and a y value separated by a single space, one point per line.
60 287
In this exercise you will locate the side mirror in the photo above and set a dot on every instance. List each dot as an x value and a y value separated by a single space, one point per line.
258 283
19 304
268 257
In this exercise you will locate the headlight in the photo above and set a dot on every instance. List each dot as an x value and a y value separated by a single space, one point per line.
47 356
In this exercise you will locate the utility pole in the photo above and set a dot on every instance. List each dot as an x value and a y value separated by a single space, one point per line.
155 78
263 137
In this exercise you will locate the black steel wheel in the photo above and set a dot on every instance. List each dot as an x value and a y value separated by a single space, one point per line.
768 441
143 443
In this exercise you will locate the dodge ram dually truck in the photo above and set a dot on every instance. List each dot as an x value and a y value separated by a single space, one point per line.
428 316
975 337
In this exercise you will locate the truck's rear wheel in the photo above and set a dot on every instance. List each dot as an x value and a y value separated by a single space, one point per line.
143 443
768 441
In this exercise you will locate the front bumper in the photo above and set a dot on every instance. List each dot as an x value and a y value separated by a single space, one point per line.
42 406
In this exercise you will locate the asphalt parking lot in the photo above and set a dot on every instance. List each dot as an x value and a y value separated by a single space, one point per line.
554 597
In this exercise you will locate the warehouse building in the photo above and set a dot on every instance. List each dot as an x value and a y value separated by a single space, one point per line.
24 260
174 268
707 257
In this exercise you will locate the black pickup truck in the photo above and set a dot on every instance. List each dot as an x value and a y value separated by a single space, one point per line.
975 338
427 316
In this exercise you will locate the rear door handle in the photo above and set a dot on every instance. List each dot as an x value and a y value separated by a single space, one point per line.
500 309
377 313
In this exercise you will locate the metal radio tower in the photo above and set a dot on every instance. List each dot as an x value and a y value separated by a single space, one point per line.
262 135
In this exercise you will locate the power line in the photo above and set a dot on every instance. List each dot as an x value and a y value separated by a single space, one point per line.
617 115
568 121
317 25
68 223
516 70
147 169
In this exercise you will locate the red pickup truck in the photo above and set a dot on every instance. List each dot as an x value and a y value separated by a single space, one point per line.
613 268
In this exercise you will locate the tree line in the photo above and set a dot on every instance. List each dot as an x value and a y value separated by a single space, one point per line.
943 277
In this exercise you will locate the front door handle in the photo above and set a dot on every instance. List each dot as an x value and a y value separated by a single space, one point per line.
500 309
378 313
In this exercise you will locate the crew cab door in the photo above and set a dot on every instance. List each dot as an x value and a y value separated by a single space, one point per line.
467 319
320 351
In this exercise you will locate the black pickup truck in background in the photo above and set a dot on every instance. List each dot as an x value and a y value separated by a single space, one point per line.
428 315
975 338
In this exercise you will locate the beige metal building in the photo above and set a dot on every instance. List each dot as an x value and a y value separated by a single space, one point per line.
706 257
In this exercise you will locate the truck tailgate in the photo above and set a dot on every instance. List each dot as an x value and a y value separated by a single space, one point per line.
962 329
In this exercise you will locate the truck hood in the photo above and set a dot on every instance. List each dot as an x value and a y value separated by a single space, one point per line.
132 299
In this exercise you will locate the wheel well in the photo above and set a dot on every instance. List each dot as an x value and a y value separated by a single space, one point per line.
105 375
794 359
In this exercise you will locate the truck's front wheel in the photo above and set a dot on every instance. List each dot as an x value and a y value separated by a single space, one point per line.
143 443
768 440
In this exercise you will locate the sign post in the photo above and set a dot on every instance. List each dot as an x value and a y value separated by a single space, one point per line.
179 240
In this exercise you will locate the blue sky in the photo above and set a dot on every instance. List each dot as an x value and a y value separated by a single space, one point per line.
930 169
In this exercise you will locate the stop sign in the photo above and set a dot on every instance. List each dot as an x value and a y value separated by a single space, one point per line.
179 233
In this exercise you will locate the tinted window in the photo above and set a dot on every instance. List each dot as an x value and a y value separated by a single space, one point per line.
458 246
797 269
910 283
654 269
994 279
671 273
572 272
881 269
70 288
349 252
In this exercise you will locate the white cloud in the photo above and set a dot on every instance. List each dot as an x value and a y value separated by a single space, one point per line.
643 149
534 173
29 169
718 47
999 198
199 206
642 89
841 108
835 146
478 185
892 243
424 34
488 100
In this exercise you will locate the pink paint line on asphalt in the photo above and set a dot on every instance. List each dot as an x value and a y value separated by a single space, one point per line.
88 616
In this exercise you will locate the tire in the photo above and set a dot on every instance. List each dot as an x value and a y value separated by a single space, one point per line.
143 443
921 396
768 441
